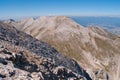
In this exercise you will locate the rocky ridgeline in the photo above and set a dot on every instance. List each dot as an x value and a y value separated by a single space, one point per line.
25 58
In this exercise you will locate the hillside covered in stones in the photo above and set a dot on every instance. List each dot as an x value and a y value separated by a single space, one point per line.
23 57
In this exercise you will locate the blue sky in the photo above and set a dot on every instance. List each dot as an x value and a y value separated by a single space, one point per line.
20 8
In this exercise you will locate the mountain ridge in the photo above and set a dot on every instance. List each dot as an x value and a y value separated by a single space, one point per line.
94 48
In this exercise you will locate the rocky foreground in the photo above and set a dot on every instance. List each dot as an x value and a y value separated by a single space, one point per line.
24 58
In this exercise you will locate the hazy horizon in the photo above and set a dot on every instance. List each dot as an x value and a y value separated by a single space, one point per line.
23 17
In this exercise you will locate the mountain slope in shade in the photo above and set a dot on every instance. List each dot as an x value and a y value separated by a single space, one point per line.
23 57
94 48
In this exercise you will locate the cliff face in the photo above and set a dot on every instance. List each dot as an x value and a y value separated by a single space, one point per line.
24 57
96 50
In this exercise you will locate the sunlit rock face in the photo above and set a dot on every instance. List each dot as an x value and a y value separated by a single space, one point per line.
95 49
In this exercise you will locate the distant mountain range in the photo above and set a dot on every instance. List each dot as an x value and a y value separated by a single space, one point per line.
112 24
94 48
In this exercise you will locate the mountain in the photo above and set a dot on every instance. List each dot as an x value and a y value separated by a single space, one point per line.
94 48
111 23
23 57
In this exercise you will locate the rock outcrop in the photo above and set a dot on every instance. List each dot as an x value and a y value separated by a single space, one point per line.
96 50
23 57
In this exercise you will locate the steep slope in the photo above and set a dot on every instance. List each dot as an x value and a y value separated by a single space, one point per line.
27 58
94 48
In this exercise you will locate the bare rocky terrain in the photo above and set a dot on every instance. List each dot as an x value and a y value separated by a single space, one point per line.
23 57
95 49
